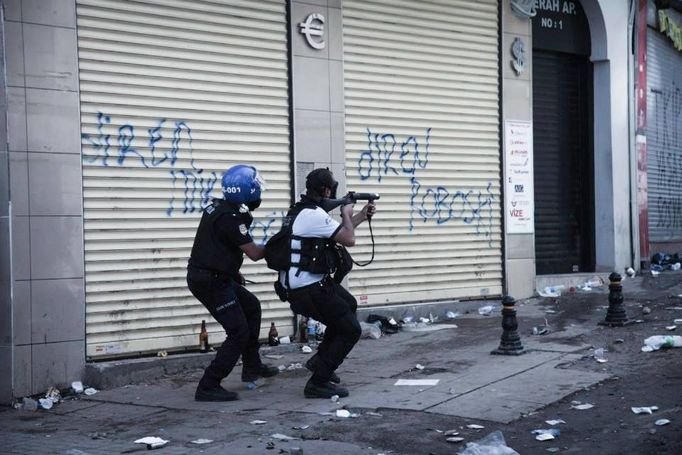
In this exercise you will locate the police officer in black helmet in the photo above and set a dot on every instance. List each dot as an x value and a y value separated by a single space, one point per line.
214 279
314 293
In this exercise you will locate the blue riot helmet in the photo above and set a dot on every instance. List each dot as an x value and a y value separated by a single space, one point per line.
243 184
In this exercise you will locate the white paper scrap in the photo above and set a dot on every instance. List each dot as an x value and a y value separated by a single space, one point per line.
473 426
342 413
417 382
202 441
661 422
258 422
455 439
90 391
544 437
152 441
555 422
644 409
282 437
582 407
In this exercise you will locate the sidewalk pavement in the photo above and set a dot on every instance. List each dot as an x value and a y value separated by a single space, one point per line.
472 384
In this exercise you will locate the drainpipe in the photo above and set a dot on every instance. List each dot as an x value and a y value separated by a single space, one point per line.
632 155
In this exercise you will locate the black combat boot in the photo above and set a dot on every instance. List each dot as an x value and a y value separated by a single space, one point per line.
250 374
216 393
323 390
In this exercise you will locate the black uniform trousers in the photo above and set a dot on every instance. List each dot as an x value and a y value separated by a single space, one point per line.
238 311
331 304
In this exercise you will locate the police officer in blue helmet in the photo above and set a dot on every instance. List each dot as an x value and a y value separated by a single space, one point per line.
214 278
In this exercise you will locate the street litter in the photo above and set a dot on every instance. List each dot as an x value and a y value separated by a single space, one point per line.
419 366
451 433
454 439
542 331
618 341
371 330
677 321
474 426
486 310
258 422
53 395
77 387
655 272
452 315
583 407
46 403
555 422
426 327
281 367
661 422
285 340
29 404
546 434
162 354
644 409
656 342
90 391
251 385
670 327
295 366
599 355
373 414
301 427
335 398
273 356
551 291
417 382
492 444
552 449
646 310
202 441
306 349
152 442
282 437
630 272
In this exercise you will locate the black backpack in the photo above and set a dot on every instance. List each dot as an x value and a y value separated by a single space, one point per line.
278 247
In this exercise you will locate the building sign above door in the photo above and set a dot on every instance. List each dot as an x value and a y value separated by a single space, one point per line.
313 30
561 25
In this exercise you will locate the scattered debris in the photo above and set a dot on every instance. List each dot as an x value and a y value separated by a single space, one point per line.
251 385
301 427
644 409
258 422
493 443
486 310
677 321
656 342
294 366
77 387
202 441
90 391
152 442
162 354
454 439
618 341
661 422
273 356
474 426
655 272
670 327
335 398
282 437
629 271
554 422
546 434
45 403
646 310
285 340
373 414
344 413
552 449
542 331
307 349
426 327
371 330
451 433
582 407
452 314
419 366
599 355
417 382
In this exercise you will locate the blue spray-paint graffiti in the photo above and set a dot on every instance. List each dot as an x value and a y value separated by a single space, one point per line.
439 204
197 184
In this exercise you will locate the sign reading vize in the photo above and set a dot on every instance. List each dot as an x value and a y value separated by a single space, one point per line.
518 165
561 25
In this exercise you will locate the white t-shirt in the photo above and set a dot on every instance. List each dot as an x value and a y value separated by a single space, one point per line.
314 223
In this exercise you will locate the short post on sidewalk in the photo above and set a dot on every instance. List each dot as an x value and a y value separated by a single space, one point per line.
615 315
510 343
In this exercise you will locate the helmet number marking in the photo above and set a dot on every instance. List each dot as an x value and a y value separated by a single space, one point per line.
232 189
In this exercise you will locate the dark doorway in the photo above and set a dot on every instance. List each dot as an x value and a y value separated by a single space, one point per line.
562 146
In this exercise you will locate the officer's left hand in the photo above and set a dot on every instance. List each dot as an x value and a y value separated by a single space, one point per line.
369 210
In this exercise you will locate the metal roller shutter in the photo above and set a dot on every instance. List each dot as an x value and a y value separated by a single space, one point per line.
422 129
172 93
664 139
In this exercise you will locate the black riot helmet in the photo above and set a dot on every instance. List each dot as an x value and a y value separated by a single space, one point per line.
319 179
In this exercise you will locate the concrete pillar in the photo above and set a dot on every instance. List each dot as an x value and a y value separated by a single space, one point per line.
47 335
317 81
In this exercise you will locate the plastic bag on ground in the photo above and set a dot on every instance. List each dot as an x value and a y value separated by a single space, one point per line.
657 342
493 444
370 330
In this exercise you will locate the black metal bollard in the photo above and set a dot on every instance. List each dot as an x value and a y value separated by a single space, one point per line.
615 315
510 342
